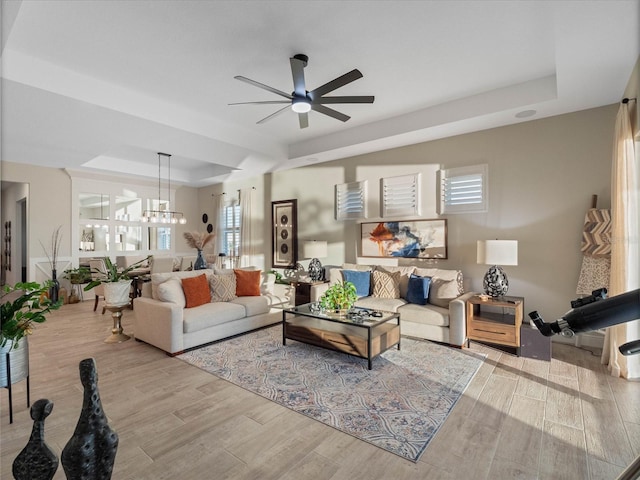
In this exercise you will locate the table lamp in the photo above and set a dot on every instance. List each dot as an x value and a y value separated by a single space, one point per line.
496 253
315 249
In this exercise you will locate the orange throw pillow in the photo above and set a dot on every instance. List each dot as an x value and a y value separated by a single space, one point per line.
247 283
196 291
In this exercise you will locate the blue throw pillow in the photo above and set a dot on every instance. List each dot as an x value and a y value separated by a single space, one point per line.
418 291
362 281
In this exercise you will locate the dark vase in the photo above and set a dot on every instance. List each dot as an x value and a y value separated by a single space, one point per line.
36 461
200 262
91 450
54 289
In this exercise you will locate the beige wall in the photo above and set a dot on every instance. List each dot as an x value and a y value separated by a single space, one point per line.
542 175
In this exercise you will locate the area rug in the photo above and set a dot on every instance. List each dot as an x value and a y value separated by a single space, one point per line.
398 406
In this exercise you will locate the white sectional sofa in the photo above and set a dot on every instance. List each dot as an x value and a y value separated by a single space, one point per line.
442 318
162 318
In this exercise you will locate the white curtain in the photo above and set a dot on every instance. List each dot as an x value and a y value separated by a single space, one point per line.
217 218
246 251
625 244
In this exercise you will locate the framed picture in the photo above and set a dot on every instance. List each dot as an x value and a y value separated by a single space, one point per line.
406 239
284 218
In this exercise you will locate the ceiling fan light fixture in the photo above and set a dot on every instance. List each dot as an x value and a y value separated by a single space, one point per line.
300 105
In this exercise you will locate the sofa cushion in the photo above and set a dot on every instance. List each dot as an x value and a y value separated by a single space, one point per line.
405 273
247 283
253 305
223 287
418 291
171 291
386 284
196 291
377 303
441 292
158 278
210 314
361 280
426 315
444 275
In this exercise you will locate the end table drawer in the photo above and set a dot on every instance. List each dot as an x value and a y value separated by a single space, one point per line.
492 333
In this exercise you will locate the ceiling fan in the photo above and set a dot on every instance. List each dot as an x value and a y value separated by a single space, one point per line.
302 100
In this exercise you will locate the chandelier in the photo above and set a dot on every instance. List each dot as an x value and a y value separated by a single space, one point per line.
163 216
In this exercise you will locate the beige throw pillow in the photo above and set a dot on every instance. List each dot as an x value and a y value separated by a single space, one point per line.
386 284
223 287
441 292
171 291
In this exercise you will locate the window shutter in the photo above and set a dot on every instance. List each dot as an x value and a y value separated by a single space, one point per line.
464 189
351 200
400 195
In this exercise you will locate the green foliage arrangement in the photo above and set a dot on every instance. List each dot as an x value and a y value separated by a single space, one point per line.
78 275
112 273
339 296
19 315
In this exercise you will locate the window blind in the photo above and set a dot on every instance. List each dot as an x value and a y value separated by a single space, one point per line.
400 195
464 189
351 200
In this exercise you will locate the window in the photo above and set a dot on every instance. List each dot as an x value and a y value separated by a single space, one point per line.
351 200
464 189
401 196
231 230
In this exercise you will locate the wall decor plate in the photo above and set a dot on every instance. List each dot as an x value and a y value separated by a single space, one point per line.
284 219
404 238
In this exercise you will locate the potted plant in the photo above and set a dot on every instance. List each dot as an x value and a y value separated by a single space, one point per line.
116 282
76 276
340 296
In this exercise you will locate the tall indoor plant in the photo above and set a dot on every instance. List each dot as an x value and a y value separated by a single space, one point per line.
52 256
116 281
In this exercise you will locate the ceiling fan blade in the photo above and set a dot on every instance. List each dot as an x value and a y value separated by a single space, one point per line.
263 86
303 118
352 99
266 102
330 111
297 70
273 115
336 83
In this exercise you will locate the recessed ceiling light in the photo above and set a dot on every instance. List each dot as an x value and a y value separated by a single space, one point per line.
526 113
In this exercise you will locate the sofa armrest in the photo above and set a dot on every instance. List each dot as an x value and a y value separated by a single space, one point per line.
317 291
458 319
159 323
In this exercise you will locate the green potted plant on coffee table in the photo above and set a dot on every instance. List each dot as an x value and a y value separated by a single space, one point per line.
339 297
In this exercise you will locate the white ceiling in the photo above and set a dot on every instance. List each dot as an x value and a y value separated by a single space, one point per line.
103 85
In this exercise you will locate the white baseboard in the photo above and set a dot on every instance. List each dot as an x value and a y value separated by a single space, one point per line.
591 339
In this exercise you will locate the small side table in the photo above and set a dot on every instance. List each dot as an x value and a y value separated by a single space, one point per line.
117 333
303 291
495 320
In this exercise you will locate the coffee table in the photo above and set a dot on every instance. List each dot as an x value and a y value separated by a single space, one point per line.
365 337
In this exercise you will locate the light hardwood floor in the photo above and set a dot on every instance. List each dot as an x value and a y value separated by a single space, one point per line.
519 418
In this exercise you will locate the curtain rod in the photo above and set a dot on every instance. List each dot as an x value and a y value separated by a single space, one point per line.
224 193
627 100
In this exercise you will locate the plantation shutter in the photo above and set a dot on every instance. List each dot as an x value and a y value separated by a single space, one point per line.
464 190
351 200
400 195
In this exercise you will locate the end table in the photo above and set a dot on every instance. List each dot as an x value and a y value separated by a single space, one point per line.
495 320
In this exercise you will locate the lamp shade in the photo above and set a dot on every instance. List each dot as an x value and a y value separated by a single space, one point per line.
497 252
314 249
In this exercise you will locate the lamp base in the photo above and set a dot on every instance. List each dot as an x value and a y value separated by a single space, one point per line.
495 282
316 272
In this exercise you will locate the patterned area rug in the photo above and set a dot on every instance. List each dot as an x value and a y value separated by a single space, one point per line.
398 406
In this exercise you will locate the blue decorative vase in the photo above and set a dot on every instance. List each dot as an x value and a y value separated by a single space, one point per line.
200 262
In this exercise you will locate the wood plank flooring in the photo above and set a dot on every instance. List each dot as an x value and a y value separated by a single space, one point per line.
519 418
